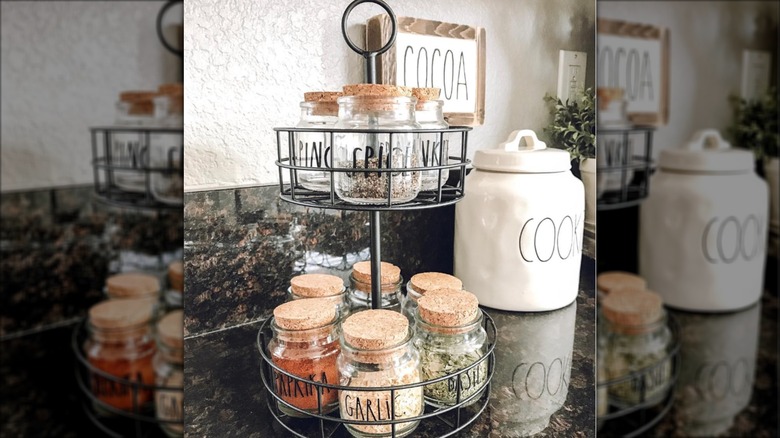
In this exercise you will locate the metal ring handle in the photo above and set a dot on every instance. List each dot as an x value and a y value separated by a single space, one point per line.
393 27
160 15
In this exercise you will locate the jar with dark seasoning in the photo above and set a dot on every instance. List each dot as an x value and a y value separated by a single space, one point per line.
314 149
424 282
327 287
360 286
434 149
169 372
377 352
377 107
305 344
450 339
121 344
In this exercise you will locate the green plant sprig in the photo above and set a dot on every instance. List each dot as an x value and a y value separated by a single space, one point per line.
755 125
573 127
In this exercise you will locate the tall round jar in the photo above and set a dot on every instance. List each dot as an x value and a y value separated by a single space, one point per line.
305 345
382 108
703 228
451 339
327 287
377 352
132 285
169 372
360 286
319 110
434 149
638 341
518 228
422 283
121 344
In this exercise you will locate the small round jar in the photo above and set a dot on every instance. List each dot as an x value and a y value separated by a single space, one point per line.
638 340
609 281
376 107
305 344
166 155
314 149
360 286
434 149
120 343
132 285
169 374
450 338
377 352
327 287
129 150
173 295
424 282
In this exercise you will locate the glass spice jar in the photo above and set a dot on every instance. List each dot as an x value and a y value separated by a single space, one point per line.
377 352
424 282
450 338
169 372
305 344
434 149
360 286
377 107
129 150
173 296
327 287
166 155
120 343
132 285
314 149
639 343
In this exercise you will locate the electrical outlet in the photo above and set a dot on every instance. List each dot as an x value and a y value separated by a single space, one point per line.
756 65
571 74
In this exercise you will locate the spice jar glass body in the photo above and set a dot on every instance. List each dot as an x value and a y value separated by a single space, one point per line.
448 350
398 365
129 151
377 150
169 371
360 295
434 149
340 301
643 349
166 158
314 149
127 354
310 355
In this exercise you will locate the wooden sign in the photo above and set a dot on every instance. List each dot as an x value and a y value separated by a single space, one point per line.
435 54
635 57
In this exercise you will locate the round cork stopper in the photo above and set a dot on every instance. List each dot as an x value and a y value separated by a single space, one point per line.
448 307
322 96
632 307
605 95
137 96
121 314
426 93
613 280
383 90
171 329
132 285
428 281
316 285
176 275
389 273
375 329
174 88
304 314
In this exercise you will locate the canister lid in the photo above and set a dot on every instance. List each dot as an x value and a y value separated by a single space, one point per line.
448 307
132 285
316 285
707 152
375 329
304 314
511 157
171 329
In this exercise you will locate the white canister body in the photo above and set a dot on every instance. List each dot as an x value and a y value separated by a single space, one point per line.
702 239
518 239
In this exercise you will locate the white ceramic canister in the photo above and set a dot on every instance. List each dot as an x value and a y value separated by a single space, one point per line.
703 227
518 228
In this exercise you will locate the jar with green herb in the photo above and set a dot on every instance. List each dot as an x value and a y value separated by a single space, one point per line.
638 345
451 339
424 282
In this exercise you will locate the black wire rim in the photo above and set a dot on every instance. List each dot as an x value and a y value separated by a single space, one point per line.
158 26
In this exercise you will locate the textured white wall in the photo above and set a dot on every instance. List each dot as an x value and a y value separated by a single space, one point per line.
248 63
62 68
706 43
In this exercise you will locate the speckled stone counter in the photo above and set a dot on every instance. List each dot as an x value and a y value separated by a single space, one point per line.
241 250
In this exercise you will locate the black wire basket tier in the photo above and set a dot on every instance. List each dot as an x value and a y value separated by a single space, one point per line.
624 166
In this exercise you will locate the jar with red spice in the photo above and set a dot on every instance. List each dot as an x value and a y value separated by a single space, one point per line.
121 345
360 286
305 345
325 286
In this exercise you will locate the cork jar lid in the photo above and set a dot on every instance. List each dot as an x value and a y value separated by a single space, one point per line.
132 285
613 280
377 90
304 314
448 307
428 281
174 88
176 275
390 275
375 329
316 285
121 314
137 96
322 96
423 94
171 329
632 307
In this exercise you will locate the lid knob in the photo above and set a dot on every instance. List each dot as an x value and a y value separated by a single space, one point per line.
531 141
707 139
